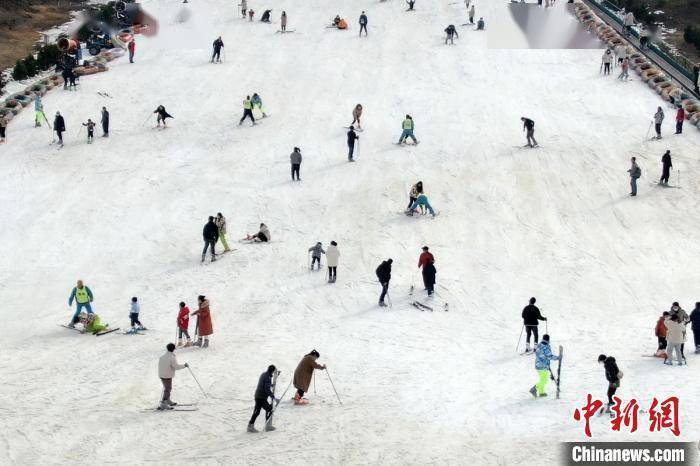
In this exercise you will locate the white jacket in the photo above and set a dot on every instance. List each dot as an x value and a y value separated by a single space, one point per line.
167 365
332 256
675 332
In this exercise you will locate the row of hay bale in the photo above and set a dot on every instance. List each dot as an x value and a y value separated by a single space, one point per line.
647 71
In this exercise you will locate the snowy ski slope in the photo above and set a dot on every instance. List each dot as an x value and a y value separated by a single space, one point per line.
125 214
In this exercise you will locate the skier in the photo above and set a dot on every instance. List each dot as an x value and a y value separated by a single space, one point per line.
695 320
529 128
83 297
59 126
635 173
352 136
244 7
247 110
162 115
38 111
356 115
612 375
295 159
383 273
472 12
262 236
606 60
363 24
660 332
265 18
210 233
3 125
220 222
257 103
624 74
316 252
680 118
262 393
411 3
218 45
204 325
183 323
451 33
90 130
332 256
105 122
283 21
132 50
167 365
425 257
416 190
134 314
408 126
92 323
667 165
658 119
480 25
422 201
72 85
543 357
675 335
531 320
303 374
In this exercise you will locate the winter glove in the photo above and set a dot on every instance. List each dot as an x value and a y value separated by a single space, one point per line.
187 365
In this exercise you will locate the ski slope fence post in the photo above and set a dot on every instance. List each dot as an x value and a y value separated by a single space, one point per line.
198 384
520 338
333 385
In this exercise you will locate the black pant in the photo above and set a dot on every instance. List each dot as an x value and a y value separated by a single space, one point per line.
428 284
333 270
606 69
91 134
665 174
182 331
657 127
531 330
385 290
316 260
135 319
261 404
351 150
216 54
612 388
262 238
411 200
679 127
60 136
363 27
247 113
209 244
105 128
662 342
295 169
2 132
300 392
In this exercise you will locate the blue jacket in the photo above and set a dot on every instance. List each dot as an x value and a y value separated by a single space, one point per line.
72 295
543 355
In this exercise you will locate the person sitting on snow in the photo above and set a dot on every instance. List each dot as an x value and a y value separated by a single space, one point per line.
262 236
92 323
265 18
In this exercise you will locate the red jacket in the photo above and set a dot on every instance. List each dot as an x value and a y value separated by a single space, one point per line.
680 116
183 318
424 259
660 330
132 46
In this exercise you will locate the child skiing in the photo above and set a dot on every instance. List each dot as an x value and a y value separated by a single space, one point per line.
38 111
332 257
90 130
167 365
257 103
183 323
303 374
316 252
612 375
543 358
408 127
262 393
134 315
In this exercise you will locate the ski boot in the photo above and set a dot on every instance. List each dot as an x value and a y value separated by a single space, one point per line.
269 427
179 344
213 258
171 403
533 391
206 343
527 347
542 395
163 406
202 257
198 342
251 429
188 343
381 304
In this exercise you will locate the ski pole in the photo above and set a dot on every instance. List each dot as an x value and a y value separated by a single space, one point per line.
195 379
679 178
521 337
649 129
388 298
333 385
314 382
146 120
546 326
274 408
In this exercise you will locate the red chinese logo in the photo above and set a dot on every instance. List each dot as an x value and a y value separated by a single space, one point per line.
667 418
662 415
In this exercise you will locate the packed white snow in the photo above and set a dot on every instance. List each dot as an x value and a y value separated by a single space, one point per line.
125 214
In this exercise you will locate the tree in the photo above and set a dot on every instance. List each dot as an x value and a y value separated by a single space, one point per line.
31 65
19 72
692 36
48 56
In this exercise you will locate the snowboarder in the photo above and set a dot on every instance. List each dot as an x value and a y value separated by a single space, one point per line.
422 201
635 173
529 128
543 358
356 115
624 74
680 118
262 393
363 24
411 3
105 122
316 252
132 50
216 55
262 236
451 33
220 222
416 190
167 365
257 103
134 314
59 126
244 7
531 320
472 12
90 130
695 320
612 375
303 374
38 111
666 170
210 233
408 126
162 115
660 332
480 25
658 119
675 336
332 256
283 21
204 325
295 159
352 137
83 297
3 126
383 273
606 61
265 18
247 110
183 324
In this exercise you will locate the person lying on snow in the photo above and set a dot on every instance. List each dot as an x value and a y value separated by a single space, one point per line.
340 23
92 323
262 236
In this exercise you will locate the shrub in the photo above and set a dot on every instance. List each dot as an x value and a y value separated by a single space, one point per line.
31 65
48 56
19 72
692 35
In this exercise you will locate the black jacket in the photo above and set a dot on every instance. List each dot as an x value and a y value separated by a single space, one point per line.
528 123
695 318
429 273
531 315
105 117
210 232
218 43
611 370
666 160
163 114
384 272
264 389
59 124
351 137
363 19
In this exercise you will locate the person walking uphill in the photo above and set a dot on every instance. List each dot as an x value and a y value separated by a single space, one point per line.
167 366
210 233
612 375
363 24
635 173
543 358
217 45
408 126
332 257
531 320
204 325
105 122
529 128
247 111
383 273
667 164
352 137
295 159
59 126
262 393
90 130
83 297
303 374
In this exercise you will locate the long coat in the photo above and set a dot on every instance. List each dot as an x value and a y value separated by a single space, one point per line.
204 315
304 372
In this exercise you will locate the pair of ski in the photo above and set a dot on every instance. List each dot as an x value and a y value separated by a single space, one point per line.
557 379
97 334
134 331
425 307
177 407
